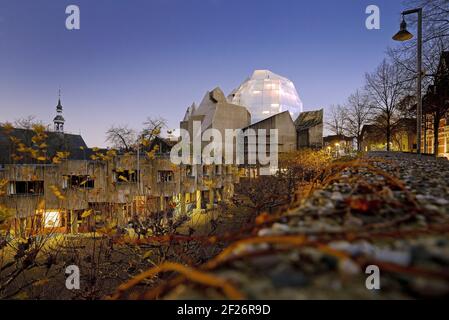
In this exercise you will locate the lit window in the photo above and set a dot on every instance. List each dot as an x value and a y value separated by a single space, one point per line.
52 219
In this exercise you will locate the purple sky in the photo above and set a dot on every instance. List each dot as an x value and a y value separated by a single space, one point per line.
134 58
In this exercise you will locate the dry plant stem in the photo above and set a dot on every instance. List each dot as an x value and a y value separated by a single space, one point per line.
194 275
301 241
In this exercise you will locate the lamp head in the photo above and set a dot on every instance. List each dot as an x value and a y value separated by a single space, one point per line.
403 34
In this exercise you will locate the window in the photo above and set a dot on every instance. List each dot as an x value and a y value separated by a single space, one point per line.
447 143
77 181
52 219
217 170
125 176
189 171
26 187
165 176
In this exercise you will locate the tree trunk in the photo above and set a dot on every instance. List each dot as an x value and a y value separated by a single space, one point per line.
388 135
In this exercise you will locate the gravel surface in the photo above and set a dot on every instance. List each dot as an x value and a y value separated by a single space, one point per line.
385 209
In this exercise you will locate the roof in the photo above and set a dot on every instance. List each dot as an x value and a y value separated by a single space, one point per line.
371 132
72 143
59 118
337 137
309 119
369 128
406 122
437 94
59 106
266 120
443 69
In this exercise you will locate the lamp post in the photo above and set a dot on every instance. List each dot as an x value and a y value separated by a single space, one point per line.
404 35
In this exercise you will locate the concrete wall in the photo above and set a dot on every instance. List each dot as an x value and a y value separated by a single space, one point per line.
316 137
287 138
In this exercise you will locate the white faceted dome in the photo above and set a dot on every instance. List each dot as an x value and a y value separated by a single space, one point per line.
266 94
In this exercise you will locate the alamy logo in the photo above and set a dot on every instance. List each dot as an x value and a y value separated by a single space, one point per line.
73 280
72 22
240 147
372 22
373 280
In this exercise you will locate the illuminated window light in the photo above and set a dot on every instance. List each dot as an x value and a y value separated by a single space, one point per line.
52 219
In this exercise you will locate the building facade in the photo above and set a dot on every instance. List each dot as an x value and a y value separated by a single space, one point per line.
309 127
51 181
403 137
286 140
436 112
339 144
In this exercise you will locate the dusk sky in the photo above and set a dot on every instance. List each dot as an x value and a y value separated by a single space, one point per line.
133 58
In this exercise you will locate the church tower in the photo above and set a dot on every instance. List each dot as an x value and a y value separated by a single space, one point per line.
59 119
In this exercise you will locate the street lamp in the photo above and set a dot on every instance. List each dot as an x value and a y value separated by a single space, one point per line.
404 35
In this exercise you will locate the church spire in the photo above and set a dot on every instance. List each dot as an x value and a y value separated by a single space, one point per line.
59 119
59 106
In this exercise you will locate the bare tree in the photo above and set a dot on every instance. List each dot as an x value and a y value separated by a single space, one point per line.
260 194
359 112
336 120
386 87
435 39
121 137
152 127
27 122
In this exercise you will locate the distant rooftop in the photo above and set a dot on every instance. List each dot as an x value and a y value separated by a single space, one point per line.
309 119
56 141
